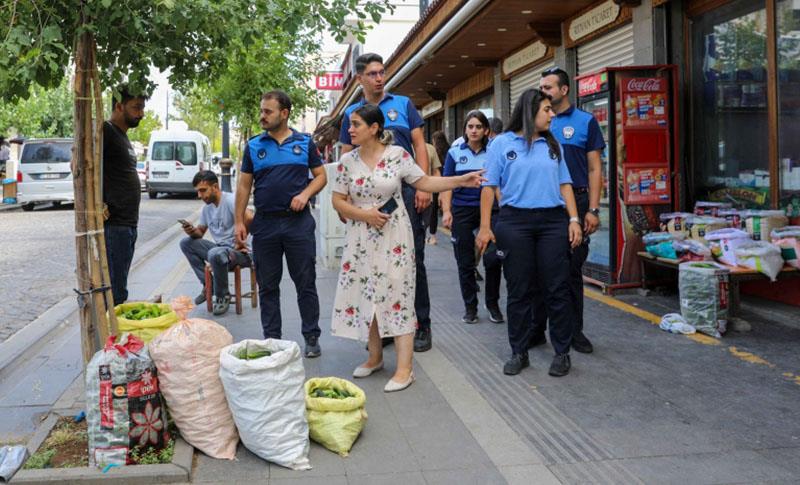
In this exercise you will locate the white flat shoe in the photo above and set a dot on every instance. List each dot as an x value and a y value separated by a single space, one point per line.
362 371
394 386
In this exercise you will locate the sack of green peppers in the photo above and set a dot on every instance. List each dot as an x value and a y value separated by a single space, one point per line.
145 319
336 414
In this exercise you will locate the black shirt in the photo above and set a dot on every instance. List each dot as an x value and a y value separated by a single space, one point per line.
121 189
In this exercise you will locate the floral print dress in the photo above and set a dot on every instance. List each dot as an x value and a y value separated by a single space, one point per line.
378 273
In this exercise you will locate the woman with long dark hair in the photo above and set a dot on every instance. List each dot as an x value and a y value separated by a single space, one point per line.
461 213
536 226
377 279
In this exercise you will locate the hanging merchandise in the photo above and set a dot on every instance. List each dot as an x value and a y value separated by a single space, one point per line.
703 288
336 413
187 357
788 241
263 381
760 256
124 410
723 243
144 319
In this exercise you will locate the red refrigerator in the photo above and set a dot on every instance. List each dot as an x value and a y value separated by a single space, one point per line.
635 107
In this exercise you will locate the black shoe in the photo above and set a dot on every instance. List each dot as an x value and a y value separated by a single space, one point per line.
312 347
515 364
478 276
537 340
560 365
495 315
581 344
422 340
201 298
470 315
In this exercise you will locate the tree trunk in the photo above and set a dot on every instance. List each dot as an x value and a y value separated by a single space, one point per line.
95 299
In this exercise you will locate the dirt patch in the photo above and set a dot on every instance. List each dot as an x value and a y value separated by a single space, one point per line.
67 446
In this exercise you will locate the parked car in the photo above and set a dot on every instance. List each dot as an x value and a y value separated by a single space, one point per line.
141 170
44 173
173 159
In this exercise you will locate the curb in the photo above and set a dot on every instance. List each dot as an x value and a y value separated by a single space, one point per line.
9 207
16 345
178 471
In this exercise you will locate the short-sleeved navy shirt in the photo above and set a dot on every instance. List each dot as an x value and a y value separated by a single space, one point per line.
460 160
578 133
280 170
400 116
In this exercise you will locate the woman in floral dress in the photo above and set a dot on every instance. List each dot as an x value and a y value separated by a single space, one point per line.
375 291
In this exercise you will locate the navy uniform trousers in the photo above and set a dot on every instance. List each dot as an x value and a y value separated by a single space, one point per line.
535 247
466 219
290 234
422 301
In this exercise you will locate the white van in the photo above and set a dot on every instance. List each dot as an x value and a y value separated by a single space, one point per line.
173 159
44 173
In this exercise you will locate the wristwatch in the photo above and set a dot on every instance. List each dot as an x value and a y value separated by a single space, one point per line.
574 219
595 211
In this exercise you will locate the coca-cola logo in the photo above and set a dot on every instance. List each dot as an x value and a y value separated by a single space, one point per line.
645 84
590 85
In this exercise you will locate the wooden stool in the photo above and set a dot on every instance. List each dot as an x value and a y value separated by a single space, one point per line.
237 295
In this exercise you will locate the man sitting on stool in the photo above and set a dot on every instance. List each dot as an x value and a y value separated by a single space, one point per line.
222 254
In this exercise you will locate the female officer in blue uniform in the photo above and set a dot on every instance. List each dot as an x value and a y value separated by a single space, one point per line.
536 227
461 211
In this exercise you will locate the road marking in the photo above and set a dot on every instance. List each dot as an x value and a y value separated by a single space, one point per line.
654 319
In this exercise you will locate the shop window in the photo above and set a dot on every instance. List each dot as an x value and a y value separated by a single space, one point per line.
788 29
729 105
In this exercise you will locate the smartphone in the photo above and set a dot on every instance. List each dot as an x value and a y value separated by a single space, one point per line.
183 222
389 206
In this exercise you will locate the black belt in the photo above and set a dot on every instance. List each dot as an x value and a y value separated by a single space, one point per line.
580 190
283 213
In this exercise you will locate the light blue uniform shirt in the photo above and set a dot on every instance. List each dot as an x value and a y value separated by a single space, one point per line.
528 178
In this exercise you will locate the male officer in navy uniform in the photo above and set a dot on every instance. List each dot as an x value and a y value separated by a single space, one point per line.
406 124
279 161
579 134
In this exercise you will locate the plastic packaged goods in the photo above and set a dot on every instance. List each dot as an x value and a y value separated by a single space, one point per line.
704 208
699 226
674 222
659 244
759 224
675 323
703 288
691 250
760 256
723 243
787 239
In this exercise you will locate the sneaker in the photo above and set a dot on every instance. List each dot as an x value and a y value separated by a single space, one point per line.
221 305
470 315
312 347
536 340
515 364
201 298
495 315
422 340
560 365
581 344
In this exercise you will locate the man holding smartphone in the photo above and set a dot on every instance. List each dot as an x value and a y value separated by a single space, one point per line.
224 252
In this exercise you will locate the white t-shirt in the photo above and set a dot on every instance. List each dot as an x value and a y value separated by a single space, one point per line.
220 220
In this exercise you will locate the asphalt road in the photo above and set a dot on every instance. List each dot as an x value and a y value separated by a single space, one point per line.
37 254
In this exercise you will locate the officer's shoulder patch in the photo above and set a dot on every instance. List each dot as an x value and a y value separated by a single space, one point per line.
511 155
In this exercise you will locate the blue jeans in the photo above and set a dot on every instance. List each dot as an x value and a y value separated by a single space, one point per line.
292 235
120 243
221 259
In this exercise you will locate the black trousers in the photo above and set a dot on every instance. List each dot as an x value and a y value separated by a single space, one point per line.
422 301
293 236
535 247
466 220
576 260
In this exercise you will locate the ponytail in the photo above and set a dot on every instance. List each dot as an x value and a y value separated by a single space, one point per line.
386 137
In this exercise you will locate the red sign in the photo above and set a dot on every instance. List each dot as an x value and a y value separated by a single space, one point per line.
592 84
646 84
647 185
330 81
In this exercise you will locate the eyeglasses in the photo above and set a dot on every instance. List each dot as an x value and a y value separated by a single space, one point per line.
374 74
553 70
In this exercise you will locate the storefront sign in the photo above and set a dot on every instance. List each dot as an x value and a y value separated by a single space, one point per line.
330 81
593 84
593 20
524 57
431 108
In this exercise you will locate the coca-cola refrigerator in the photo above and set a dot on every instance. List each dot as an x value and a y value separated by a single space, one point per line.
635 107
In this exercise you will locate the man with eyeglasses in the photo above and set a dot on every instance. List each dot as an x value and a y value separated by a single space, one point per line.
405 123
582 141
